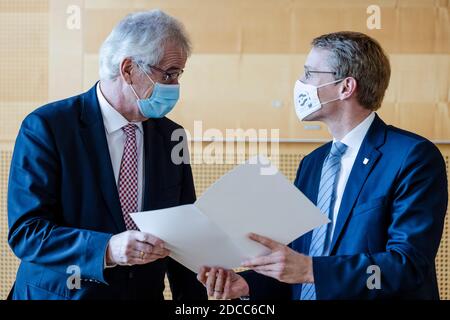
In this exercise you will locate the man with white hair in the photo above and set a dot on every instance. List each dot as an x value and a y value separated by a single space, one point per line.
83 164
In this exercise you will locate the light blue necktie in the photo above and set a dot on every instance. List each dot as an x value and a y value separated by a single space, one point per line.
320 241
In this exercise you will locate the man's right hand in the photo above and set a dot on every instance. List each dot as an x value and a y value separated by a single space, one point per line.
223 284
134 247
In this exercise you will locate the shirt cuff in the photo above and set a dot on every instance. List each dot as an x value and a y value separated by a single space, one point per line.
105 266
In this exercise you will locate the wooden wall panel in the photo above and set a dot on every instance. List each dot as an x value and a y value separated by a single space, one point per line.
288 26
247 54
23 6
65 49
23 56
11 116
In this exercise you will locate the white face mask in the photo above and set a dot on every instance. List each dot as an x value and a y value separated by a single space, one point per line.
306 98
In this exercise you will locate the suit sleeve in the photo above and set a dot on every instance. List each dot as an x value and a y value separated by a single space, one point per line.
36 232
417 218
266 288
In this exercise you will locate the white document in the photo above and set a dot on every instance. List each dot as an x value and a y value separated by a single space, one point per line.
253 197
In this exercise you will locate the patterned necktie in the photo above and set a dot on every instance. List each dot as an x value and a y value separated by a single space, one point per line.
128 177
320 240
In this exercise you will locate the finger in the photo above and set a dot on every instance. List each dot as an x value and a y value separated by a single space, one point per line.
138 255
268 267
166 252
147 237
272 274
138 258
201 276
133 261
227 287
135 258
153 257
143 247
218 287
143 257
260 261
147 259
211 281
267 242
160 251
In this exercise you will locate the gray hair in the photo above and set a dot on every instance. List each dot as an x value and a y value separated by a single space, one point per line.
357 55
142 37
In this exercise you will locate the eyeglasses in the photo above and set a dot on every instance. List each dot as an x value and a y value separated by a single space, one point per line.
169 75
308 73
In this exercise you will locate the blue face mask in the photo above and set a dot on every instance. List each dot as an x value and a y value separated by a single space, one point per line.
162 100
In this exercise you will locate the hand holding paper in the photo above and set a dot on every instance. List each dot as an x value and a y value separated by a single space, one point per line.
214 230
283 263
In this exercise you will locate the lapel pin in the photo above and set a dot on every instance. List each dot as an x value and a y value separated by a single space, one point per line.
366 161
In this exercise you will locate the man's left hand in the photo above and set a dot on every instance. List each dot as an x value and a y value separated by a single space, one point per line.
283 263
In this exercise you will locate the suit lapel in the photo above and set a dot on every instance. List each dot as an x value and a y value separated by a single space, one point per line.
94 138
360 171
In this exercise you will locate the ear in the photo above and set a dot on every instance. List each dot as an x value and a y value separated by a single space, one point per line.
348 88
126 69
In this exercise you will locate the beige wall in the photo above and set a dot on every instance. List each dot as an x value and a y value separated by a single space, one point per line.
247 55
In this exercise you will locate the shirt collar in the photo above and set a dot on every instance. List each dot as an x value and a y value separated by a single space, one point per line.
354 138
112 119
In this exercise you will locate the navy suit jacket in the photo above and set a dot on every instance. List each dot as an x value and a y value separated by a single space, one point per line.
392 216
63 206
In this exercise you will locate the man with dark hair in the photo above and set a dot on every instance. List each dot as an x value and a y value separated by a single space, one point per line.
384 190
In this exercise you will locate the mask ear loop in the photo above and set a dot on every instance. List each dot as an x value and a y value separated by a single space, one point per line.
142 69
131 86
324 103
132 89
323 85
326 84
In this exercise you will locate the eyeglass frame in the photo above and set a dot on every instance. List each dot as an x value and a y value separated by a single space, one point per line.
308 72
168 75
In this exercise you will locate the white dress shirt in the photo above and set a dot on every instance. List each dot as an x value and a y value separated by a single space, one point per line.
353 140
116 137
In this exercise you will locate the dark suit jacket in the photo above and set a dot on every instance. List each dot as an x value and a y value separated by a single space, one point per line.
392 215
63 206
